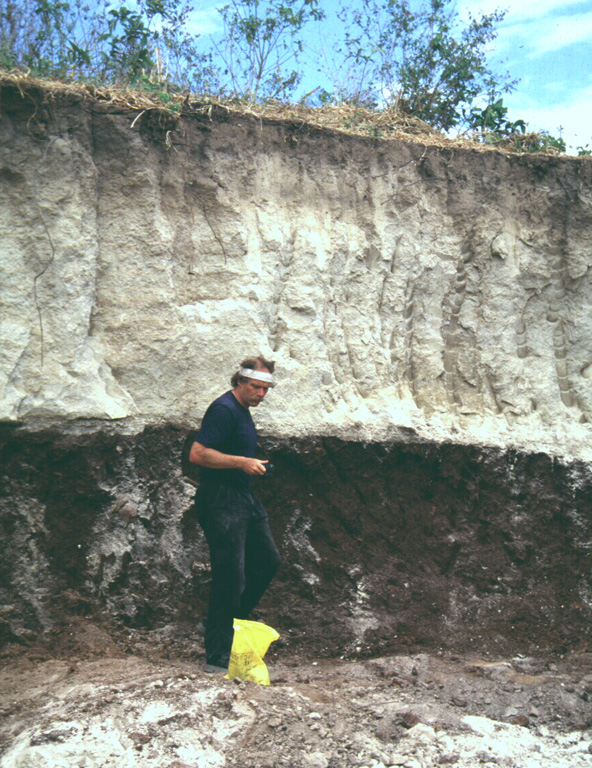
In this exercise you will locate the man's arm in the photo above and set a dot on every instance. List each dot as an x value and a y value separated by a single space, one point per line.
213 459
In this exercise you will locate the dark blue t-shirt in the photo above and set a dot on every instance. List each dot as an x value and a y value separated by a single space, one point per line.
227 427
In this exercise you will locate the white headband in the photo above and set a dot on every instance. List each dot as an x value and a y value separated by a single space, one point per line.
250 373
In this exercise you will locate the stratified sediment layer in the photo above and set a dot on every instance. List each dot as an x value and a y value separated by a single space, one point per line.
429 312
446 291
384 546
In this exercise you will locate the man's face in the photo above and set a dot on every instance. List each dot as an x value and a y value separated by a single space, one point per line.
251 392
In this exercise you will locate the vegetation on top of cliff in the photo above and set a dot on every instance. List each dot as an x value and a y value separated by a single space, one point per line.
397 68
168 108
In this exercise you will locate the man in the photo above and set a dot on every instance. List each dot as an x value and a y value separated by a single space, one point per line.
243 556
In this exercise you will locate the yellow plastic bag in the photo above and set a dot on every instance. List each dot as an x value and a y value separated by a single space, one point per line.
249 646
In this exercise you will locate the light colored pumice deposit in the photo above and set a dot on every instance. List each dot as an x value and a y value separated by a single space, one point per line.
397 285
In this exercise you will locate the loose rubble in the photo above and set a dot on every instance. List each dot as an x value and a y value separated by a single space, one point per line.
148 703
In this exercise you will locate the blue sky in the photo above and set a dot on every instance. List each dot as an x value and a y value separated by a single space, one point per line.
545 44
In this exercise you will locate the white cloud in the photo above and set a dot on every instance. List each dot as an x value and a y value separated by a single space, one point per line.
520 10
535 29
562 32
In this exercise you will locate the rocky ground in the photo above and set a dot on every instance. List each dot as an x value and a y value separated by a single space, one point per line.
88 698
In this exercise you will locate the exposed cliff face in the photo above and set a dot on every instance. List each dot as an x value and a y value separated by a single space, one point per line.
431 302
396 284
384 546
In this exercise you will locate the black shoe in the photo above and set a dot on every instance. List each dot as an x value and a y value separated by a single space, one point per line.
217 664
215 669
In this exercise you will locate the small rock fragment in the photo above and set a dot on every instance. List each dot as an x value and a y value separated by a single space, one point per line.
423 732
396 759
449 758
315 760
139 738
458 701
520 720
408 719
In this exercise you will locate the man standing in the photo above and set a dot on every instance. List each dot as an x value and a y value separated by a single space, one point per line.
243 556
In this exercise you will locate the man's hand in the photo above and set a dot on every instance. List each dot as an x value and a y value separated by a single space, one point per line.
254 466
209 457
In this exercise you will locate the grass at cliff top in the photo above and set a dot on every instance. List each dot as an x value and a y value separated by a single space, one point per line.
346 118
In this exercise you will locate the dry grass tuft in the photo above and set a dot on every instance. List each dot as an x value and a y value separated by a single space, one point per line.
388 124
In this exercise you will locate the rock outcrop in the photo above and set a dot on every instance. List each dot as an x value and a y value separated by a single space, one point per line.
447 291
428 301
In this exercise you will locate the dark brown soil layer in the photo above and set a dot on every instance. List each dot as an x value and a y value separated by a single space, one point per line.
386 548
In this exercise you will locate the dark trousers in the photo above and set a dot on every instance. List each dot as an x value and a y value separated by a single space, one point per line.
243 558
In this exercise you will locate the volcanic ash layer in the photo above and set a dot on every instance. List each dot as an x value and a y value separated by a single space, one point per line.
397 284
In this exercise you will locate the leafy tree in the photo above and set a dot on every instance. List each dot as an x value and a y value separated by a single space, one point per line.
34 35
145 43
494 127
179 62
492 122
261 43
426 61
129 39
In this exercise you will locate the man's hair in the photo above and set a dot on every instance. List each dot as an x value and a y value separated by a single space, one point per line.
256 363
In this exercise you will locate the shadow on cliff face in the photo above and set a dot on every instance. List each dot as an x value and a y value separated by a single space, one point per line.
385 546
